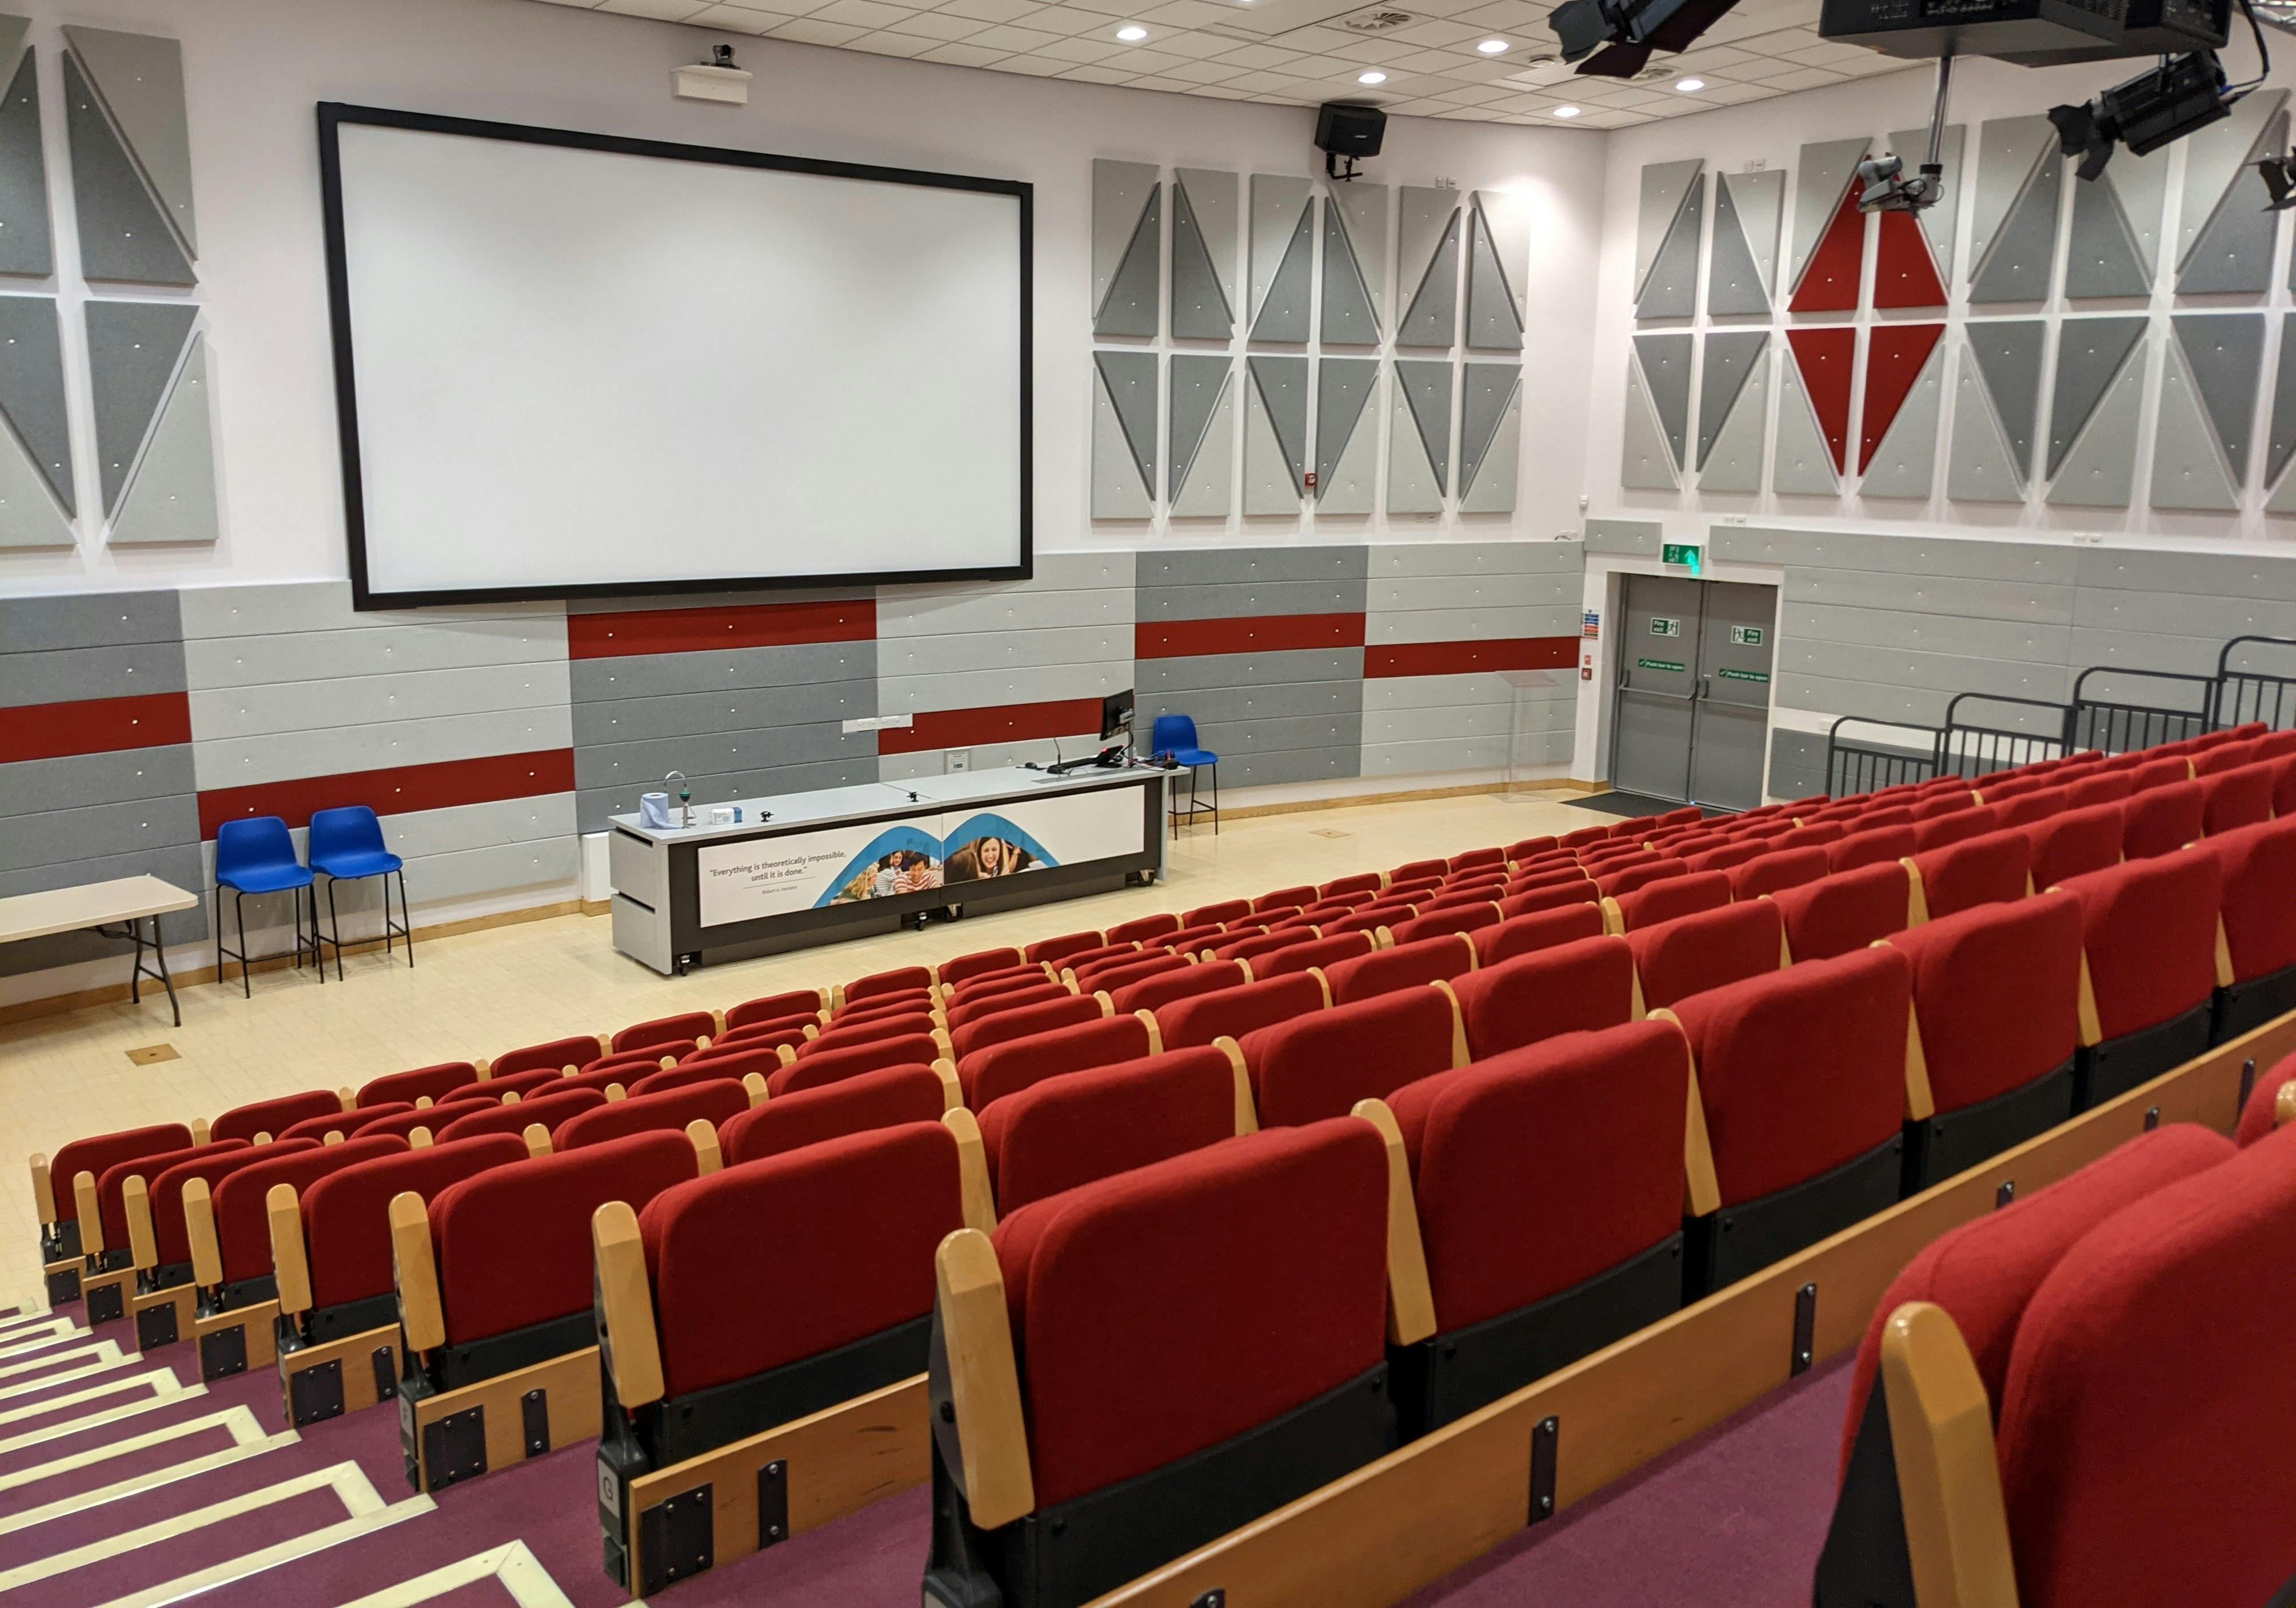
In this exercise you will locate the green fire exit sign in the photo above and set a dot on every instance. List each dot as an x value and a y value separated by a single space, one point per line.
1687 554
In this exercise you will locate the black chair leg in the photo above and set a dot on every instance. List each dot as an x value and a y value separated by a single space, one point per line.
1214 798
335 927
239 904
219 931
406 918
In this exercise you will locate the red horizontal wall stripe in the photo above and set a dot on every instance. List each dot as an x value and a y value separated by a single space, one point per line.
1249 633
1006 724
95 725
395 792
601 636
1460 658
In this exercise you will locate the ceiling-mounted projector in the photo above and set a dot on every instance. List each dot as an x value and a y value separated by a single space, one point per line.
2031 33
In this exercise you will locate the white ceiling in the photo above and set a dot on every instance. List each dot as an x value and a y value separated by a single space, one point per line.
1299 53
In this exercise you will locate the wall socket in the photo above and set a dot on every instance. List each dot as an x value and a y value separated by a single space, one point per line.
956 759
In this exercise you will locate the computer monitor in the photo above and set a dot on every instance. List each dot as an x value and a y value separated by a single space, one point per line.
1116 714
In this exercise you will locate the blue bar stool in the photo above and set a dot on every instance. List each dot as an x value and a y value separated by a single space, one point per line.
256 855
1174 737
346 845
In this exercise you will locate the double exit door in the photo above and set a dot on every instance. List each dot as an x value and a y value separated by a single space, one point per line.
1692 715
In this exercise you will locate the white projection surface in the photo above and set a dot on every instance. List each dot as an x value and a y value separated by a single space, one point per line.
580 368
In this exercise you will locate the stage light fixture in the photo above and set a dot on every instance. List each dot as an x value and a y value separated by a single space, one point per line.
2279 174
2157 106
1615 39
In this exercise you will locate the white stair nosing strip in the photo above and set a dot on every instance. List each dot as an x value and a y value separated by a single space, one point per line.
56 1432
272 1558
162 1383
60 1330
521 1572
238 1421
30 1387
104 1351
66 1507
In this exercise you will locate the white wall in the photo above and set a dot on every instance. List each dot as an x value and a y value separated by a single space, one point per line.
255 67
1772 132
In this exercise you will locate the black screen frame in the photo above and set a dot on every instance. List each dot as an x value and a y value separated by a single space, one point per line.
333 115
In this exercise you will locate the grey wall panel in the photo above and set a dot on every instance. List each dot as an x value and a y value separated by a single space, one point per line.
2188 462
1413 485
245 761
1274 435
32 389
123 237
2023 561
1980 599
1424 388
1048 647
2224 237
425 834
1938 220
695 713
254 660
1483 753
720 753
1123 435
1980 464
671 601
1276 770
1802 463
1743 267
265 607
725 669
2225 353
986 756
172 498
1490 437
592 805
1797 763
140 77
1207 671
1204 233
1479 718
1283 257
1665 360
1666 191
2009 151
2100 465
1823 172
2152 570
1360 210
1125 247
1200 405
36 625
1670 289
1630 538
1250 599
1546 703
1905 460
1734 457
1307 706
1499 589
1867 700
1350 317
62 675
2020 640
132 352
1346 428
2279 445
1495 313
998 688
1430 318
2196 616
30 786
26 244
2103 256
89 828
290 707
1475 623
1939 672
1231 565
1399 562
2017 262
1732 358
2143 650
29 517
2090 352
1014 610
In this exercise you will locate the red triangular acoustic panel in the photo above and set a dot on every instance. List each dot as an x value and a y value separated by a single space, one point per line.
1905 274
1830 283
1825 357
1893 362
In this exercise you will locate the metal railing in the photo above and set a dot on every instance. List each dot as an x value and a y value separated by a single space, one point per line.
2249 694
2186 707
1971 748
1861 766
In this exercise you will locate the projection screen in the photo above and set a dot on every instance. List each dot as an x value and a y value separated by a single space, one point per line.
572 364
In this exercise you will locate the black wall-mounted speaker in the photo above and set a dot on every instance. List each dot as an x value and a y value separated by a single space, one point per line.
1346 130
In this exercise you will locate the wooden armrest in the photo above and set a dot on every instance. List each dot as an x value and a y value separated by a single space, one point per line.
44 1193
349 1099
1323 982
2225 976
1459 1056
628 1340
972 1169
415 1270
984 1385
2092 1027
616 1094
1614 919
537 1141
1155 1033
952 1087
418 1138
1702 1193
198 1224
2283 1106
753 1084
1383 938
1918 900
941 1041
91 1216
1106 1002
143 1246
1410 1301
290 1263
199 1130
1247 1108
1948 1473
707 1157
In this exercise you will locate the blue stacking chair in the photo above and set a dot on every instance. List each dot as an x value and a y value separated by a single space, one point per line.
256 855
346 845
1174 737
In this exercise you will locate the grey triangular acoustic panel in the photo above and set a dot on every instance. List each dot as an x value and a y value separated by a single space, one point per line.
1283 257
2016 263
1733 453
1803 464
1745 241
1269 486
1905 460
1645 462
2099 467
1938 219
2282 445
2224 235
1823 172
2009 150
29 514
172 499
122 237
1414 486
1431 316
1490 437
32 389
1202 436
2283 500
1493 315
1733 357
2224 353
1124 196
1505 216
2102 257
140 78
2005 359
1204 257
1347 319
1347 434
2090 351
1361 208
25 246
1980 466
1124 434
1665 360
13 32
2188 466
1670 290
133 348
1425 388
1665 186
1279 398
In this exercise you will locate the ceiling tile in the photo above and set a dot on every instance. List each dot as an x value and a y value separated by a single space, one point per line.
989 10
661 10
893 45
861 14
739 18
811 30
939 25
963 55
1074 52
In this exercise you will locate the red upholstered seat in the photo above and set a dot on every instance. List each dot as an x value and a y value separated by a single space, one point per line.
2227 756
1234 1012
1060 949
1025 1020
2074 841
1537 930
1109 976
555 1056
766 1036
347 1214
1870 845
982 985
1217 914
840 1036
98 1153
1251 949
244 1227
977 963
424 1082
430 1119
1551 896
1473 858
2096 787
1370 918
1093 1124
814 1071
214 1164
1676 896
1815 836
274 1116
1361 882
991 1075
346 1122
1584 835
1548 876
2173 1313
716 1069
1731 853
900 980
1101 954
548 1109
1957 827
1654 868
2259 1116
1144 928
1417 869
1779 869
1989 869
1438 923
1318 1066
1952 796
737 1292
513 1243
1800 1070
1572 987
1284 899
2237 797
637 1061
695 1025
1873 820
489 1092
1153 993
2039 803
2161 821
2149 929
150 1166
1996 993
715 1102
922 996
1113 1286
1520 850
1538 1169
884 1099
1707 949
2283 783
798 1005
2160 772
965 1012
2256 870
1406 966
1320 952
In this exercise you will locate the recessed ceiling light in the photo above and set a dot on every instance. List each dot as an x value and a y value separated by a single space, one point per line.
1566 111
1691 87
1371 78
1493 47
1132 33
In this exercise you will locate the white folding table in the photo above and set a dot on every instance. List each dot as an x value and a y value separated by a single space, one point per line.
117 908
